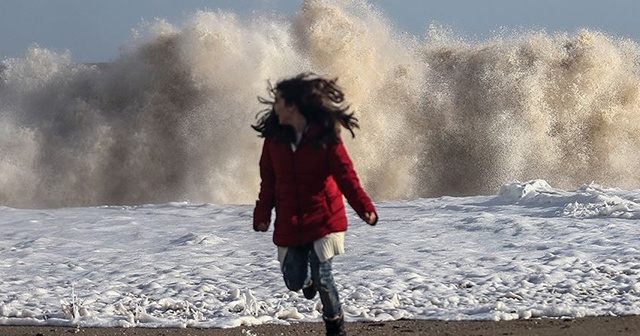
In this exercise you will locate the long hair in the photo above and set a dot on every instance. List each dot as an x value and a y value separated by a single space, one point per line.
318 99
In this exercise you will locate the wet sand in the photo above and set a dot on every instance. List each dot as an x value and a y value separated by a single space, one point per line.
589 326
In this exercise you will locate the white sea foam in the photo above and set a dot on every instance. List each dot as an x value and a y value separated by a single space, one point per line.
518 254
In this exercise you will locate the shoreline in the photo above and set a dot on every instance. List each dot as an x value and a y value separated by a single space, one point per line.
586 326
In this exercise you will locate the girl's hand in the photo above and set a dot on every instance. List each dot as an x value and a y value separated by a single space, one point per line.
262 227
371 218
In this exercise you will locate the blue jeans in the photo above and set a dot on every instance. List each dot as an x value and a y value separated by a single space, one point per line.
301 265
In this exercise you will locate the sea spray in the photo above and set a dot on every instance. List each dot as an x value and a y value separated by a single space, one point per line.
169 119
533 105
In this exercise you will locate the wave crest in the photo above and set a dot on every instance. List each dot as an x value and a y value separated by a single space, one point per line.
168 120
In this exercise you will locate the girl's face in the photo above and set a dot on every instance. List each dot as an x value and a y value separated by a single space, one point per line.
285 112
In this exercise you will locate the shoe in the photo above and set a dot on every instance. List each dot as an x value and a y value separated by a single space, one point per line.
335 325
309 291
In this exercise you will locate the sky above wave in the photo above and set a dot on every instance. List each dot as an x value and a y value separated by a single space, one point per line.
94 30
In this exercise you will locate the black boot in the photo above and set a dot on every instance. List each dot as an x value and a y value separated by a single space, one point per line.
335 325
310 291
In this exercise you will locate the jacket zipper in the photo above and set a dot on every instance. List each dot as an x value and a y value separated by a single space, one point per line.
295 186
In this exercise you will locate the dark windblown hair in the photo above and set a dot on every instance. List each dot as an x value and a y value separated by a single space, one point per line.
319 100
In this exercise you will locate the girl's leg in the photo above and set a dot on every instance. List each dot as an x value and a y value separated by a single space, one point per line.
295 267
321 273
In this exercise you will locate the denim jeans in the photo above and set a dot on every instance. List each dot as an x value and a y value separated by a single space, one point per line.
301 265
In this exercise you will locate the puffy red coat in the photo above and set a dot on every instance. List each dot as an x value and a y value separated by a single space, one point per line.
306 188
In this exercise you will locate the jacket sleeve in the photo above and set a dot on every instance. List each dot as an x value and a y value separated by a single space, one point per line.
343 172
266 197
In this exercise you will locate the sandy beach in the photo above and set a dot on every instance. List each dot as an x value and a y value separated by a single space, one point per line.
589 326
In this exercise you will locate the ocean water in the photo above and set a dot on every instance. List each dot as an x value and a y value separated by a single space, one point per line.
169 119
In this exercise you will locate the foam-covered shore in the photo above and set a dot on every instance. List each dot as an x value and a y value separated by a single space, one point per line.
531 251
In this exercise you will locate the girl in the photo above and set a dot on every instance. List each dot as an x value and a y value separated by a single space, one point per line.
305 171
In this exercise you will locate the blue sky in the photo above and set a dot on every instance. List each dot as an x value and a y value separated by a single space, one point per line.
94 29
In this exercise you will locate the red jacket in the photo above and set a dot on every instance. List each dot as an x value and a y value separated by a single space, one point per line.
306 188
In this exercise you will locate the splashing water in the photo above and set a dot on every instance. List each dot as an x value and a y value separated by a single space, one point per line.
169 119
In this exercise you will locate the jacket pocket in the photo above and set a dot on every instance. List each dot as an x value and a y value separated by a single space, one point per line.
327 202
